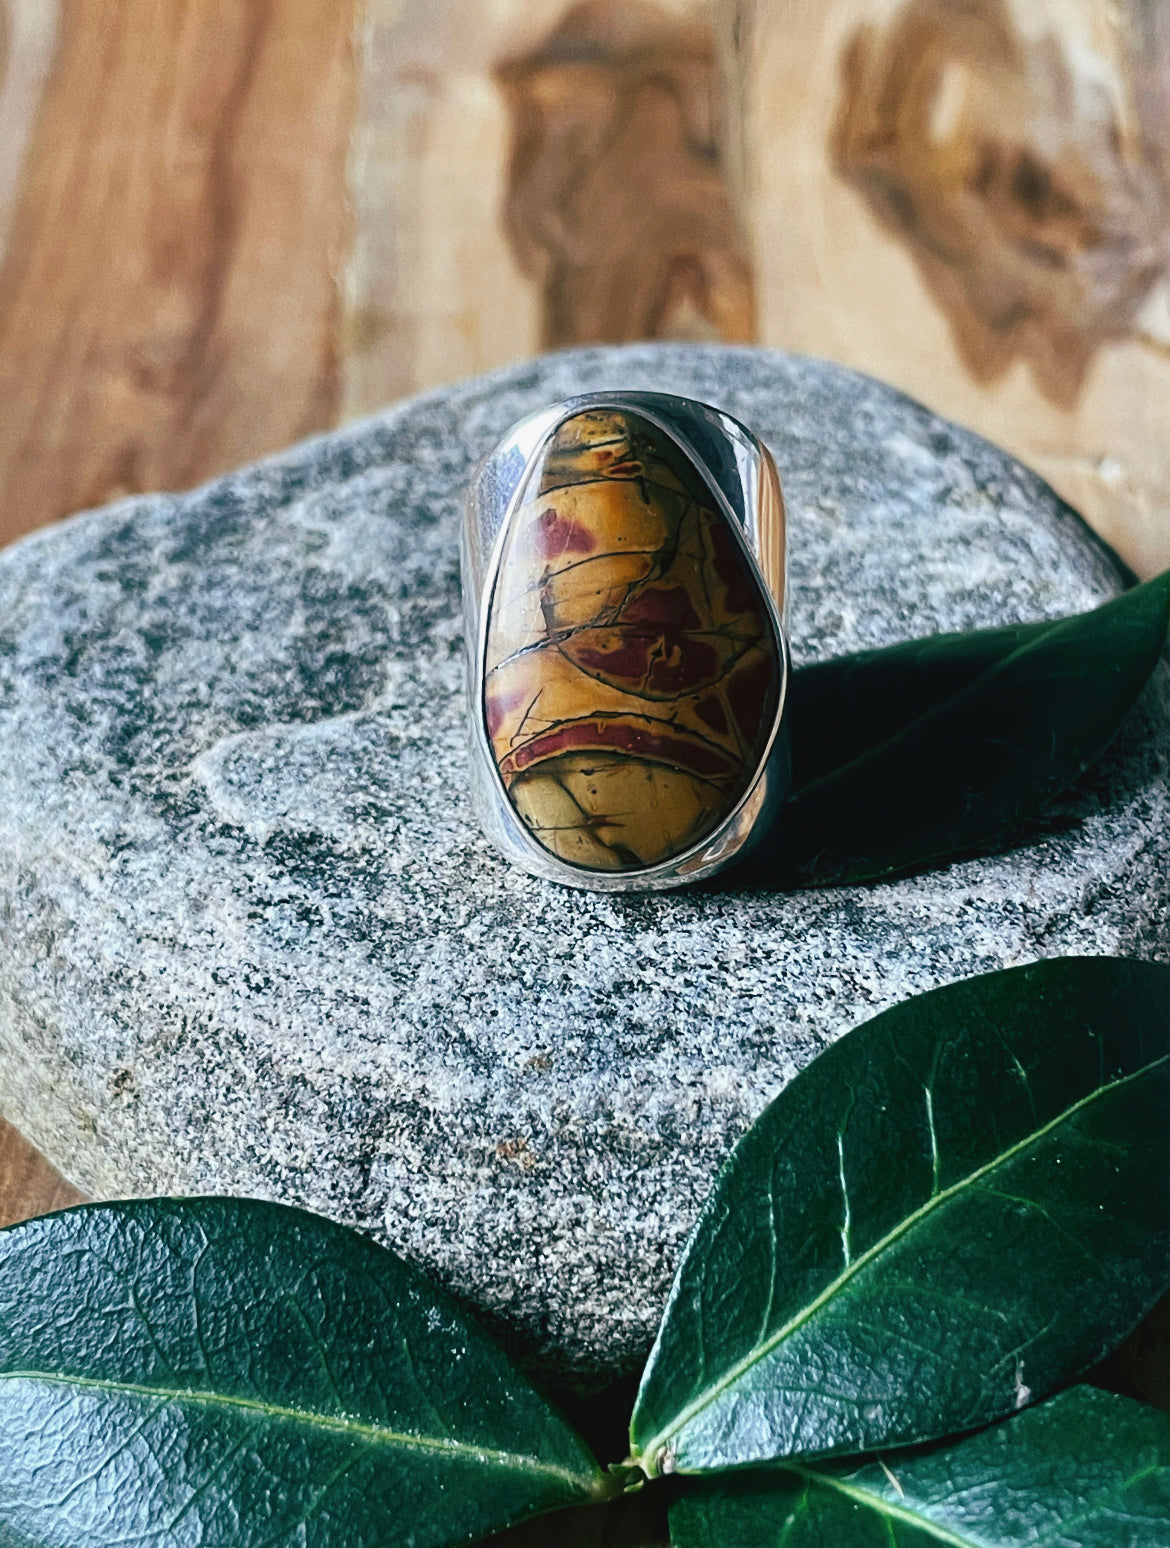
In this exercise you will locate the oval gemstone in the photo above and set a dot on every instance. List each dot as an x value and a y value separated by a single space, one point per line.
632 671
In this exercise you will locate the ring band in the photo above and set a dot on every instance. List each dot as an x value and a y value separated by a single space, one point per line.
624 583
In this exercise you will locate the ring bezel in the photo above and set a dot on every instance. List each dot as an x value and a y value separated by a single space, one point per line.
742 477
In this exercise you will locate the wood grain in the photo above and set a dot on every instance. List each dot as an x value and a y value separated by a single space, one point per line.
535 172
29 1184
432 291
168 299
969 199
27 43
1038 222
616 198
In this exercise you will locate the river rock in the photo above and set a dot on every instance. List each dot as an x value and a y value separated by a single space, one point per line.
252 942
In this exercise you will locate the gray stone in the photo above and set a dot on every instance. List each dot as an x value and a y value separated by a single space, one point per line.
253 943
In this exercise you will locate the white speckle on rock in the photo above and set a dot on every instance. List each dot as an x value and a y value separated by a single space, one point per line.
237 856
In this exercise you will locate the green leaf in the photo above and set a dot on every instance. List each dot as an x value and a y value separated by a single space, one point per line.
214 1371
913 755
955 1208
1086 1470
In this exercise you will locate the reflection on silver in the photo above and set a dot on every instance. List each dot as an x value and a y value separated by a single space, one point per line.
745 487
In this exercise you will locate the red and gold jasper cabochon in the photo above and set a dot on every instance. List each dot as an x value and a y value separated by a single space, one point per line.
633 672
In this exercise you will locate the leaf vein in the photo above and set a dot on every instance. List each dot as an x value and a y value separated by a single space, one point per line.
339 1424
761 1350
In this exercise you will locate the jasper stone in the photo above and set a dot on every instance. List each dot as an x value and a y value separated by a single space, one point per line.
632 671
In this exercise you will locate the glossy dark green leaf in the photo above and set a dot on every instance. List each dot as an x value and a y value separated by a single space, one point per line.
955 1208
909 756
1085 1470
212 1371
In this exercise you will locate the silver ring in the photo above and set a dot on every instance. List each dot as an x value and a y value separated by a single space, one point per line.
624 584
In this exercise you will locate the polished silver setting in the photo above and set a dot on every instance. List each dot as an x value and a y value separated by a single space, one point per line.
742 477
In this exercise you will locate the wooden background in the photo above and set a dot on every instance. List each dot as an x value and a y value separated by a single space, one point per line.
225 224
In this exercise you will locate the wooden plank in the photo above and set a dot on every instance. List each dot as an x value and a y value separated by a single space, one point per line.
169 303
534 174
29 1185
28 33
971 199
616 201
1144 1358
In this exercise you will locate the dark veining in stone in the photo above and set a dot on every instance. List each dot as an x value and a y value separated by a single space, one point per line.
632 671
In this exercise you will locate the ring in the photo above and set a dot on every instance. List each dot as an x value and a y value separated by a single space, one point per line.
624 563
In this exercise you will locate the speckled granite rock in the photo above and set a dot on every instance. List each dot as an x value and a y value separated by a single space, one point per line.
252 942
